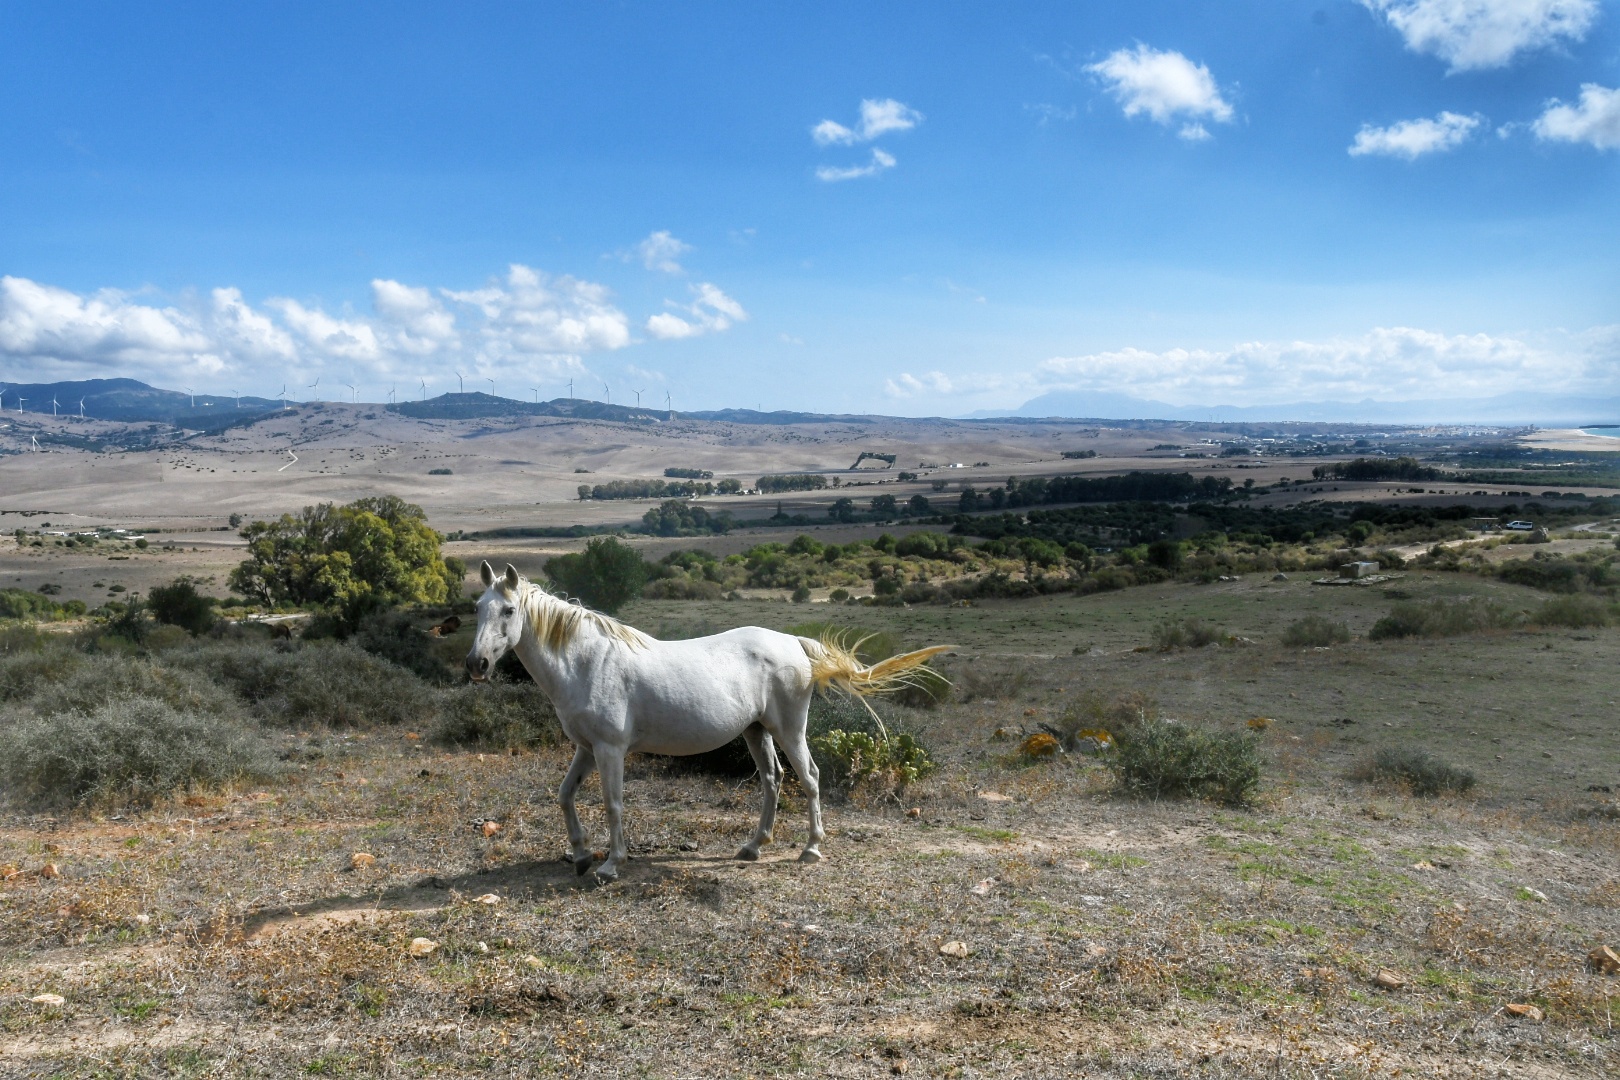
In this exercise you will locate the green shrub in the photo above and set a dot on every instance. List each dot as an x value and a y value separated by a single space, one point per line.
1163 758
496 716
399 637
1315 631
856 758
1188 633
928 689
107 680
1576 611
180 604
25 672
607 575
1415 770
1442 618
133 750
314 683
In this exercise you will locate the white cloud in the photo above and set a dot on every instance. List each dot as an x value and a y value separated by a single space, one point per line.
1596 120
1411 139
877 118
1165 85
1389 363
660 251
1474 34
711 311
833 174
522 326
66 334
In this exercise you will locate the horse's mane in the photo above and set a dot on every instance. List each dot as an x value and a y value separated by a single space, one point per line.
556 621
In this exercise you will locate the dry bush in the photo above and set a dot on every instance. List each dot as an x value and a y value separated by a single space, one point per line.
496 716
987 682
1576 611
1443 618
1315 631
320 683
1415 770
1188 633
1095 711
132 750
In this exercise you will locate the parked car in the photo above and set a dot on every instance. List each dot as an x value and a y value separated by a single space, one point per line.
1521 526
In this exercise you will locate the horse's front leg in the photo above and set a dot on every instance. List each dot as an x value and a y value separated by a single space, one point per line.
584 762
610 766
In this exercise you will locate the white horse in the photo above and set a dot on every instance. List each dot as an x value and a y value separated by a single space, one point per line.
617 690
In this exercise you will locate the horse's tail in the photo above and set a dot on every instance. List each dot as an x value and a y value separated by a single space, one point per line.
834 664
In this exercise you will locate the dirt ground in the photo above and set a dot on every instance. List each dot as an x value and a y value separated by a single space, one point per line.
229 935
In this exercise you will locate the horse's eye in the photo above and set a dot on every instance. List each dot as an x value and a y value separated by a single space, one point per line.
508 612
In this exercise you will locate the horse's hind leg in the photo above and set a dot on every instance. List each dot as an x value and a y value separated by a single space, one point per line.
584 762
770 782
797 750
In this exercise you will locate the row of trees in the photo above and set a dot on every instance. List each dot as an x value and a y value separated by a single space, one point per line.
657 489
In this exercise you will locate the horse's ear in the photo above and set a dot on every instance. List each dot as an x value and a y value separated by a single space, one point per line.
487 573
511 578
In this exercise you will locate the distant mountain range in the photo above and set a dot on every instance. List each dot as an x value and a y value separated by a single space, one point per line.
1507 409
132 401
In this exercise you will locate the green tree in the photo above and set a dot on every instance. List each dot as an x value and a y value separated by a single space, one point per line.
607 575
180 604
351 559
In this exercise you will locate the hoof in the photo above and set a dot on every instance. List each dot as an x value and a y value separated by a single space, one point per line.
747 855
605 875
582 865
809 855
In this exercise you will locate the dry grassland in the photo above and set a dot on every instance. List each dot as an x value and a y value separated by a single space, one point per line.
229 934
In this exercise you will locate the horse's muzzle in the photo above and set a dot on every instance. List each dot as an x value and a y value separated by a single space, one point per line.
477 667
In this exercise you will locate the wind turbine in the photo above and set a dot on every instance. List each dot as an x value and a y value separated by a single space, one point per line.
20 401
608 390
3 390
35 440
638 394
81 408
424 389
284 397
391 390
354 394
461 382
315 386
535 390
53 405
667 407
491 385
238 394
570 393
189 394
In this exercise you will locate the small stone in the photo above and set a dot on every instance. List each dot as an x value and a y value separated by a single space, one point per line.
490 828
1424 865
914 812
420 947
1527 893
50 870
487 898
143 919
1528 1012
690 845
1604 960
49 1000
957 949
411 736
1279 577
995 796
1095 950
483 947
1389 980
1039 745
361 859
983 888
533 961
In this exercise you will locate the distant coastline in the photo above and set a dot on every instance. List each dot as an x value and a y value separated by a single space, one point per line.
1603 431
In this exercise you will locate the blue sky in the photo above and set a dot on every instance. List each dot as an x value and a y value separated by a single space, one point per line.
915 209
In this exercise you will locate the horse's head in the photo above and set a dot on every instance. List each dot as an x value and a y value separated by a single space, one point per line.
500 620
